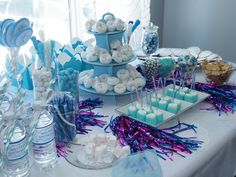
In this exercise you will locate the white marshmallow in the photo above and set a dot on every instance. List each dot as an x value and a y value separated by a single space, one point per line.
120 89
105 58
103 78
111 26
131 86
100 27
92 57
120 25
108 17
115 45
123 74
139 82
117 56
88 82
101 87
113 80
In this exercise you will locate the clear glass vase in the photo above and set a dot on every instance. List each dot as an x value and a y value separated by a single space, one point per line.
150 39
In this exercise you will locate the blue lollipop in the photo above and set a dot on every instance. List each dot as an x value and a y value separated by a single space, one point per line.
167 65
186 66
15 33
4 25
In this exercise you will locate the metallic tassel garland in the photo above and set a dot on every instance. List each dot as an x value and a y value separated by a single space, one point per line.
165 142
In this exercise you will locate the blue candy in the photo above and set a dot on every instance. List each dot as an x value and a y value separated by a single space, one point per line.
68 81
150 43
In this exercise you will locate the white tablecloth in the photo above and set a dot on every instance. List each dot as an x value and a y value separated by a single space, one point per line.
217 158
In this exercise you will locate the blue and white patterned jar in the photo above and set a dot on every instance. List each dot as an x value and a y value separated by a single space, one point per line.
150 39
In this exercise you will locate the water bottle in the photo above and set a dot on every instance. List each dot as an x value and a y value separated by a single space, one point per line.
15 155
43 143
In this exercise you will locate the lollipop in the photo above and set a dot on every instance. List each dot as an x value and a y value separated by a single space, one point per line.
15 33
150 68
167 65
186 66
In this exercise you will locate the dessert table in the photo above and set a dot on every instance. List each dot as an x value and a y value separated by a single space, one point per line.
216 158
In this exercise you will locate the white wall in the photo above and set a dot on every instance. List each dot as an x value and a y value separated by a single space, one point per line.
209 24
157 12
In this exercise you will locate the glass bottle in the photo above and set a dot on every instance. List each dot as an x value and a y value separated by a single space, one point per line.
43 142
15 153
150 39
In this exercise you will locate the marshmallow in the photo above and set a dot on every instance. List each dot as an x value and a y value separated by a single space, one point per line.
124 58
105 58
120 88
123 74
117 56
120 25
139 82
108 17
131 86
86 72
92 57
41 79
92 54
93 50
95 81
126 50
101 87
102 148
113 80
115 45
88 82
100 27
111 26
103 78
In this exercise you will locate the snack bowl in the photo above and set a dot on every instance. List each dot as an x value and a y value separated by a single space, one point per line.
218 72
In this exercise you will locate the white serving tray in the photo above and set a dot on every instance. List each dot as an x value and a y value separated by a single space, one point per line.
167 116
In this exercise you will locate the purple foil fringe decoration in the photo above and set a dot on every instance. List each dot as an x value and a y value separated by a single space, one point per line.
87 117
62 150
165 142
222 99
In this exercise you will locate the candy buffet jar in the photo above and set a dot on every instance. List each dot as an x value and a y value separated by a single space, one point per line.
68 81
150 39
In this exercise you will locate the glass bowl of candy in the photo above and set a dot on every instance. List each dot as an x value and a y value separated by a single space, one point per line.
150 39
217 72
